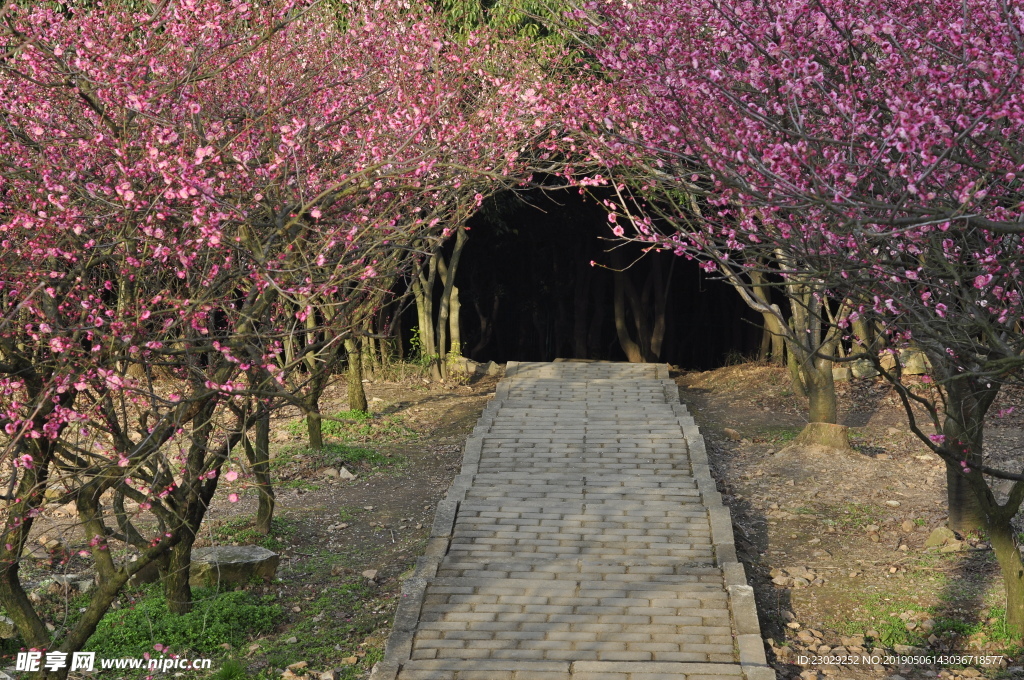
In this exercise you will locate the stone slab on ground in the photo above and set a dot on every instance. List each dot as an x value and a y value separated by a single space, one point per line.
583 540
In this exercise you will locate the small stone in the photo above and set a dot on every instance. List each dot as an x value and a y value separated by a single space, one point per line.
790 482
370 574
871 633
346 475
940 536
7 628
871 529
783 581
299 665
367 507
793 624
330 472
732 434
291 641
952 546
254 647
350 660
893 504
330 675
296 610
907 525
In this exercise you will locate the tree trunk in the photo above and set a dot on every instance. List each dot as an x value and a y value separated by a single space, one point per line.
963 507
369 355
258 453
448 280
1004 544
633 353
176 586
486 326
314 427
796 378
821 392
356 394
661 290
423 293
454 323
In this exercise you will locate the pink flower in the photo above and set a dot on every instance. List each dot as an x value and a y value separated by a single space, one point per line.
233 497
231 476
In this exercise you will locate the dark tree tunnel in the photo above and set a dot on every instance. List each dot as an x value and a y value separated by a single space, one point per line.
529 292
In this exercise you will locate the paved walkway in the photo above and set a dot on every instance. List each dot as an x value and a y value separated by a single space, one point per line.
583 540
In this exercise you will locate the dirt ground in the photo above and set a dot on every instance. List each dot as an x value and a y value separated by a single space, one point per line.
834 544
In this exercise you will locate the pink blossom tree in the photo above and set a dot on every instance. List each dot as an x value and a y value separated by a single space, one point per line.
181 193
875 148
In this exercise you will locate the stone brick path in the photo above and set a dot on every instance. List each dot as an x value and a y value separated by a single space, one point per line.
583 540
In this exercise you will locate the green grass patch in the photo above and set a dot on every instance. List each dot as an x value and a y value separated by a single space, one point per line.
216 618
881 612
242 530
857 515
231 670
350 456
781 435
343 615
359 427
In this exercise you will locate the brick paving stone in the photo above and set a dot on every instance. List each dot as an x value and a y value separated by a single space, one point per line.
577 544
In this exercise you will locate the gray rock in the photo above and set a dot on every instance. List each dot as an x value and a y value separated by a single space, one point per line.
463 366
492 369
940 536
862 368
7 628
345 474
234 565
914 362
841 373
